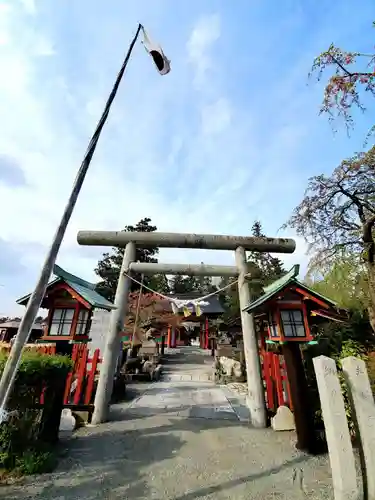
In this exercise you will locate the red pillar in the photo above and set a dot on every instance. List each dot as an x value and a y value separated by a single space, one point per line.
169 341
206 343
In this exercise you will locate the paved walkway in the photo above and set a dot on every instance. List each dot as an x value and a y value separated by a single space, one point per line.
188 364
180 440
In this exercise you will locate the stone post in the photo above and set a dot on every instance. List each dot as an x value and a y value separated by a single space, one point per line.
340 448
363 409
255 397
113 341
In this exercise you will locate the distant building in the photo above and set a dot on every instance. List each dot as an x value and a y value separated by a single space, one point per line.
187 332
9 328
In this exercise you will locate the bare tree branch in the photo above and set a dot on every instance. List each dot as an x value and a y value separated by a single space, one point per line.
336 209
342 91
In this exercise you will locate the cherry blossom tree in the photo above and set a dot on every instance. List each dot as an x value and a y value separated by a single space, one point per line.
337 215
353 74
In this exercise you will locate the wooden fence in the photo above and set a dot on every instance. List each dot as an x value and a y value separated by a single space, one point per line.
43 348
276 383
80 382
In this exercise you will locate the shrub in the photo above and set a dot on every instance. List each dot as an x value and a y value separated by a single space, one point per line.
27 437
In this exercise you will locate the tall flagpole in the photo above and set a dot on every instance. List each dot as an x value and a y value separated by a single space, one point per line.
34 303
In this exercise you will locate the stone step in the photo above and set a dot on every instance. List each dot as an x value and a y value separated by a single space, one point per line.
186 377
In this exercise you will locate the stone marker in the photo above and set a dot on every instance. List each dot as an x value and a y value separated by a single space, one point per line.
149 347
98 329
283 420
67 421
363 406
231 367
344 477
147 367
157 373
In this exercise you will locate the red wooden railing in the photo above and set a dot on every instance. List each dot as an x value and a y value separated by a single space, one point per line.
47 349
276 381
43 348
80 381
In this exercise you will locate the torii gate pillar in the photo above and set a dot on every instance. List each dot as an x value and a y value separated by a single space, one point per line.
239 244
112 346
255 396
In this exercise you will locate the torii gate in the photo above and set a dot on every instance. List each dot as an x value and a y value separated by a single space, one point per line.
239 244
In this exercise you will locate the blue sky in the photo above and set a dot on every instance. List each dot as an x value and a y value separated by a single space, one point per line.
229 136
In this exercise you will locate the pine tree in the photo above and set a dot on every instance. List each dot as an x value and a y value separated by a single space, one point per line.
205 284
109 266
183 284
270 269
188 284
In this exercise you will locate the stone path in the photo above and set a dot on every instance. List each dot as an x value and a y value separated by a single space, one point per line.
194 399
182 440
239 388
198 368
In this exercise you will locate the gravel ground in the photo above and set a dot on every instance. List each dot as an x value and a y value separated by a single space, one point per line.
158 448
169 457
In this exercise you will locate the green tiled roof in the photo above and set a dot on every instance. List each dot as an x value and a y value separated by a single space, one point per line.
83 288
280 284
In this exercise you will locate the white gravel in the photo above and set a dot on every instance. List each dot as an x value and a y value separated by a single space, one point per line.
180 441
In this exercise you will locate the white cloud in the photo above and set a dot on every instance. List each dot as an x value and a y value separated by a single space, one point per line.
29 6
5 12
216 117
193 165
298 257
43 47
206 32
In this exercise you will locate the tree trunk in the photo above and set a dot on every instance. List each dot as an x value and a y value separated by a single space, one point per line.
371 289
369 252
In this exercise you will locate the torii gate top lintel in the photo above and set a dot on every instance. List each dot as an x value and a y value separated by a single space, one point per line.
130 240
181 240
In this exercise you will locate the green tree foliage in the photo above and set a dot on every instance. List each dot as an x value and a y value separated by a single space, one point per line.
179 284
109 266
337 214
187 284
158 282
353 73
344 281
206 284
270 267
229 300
